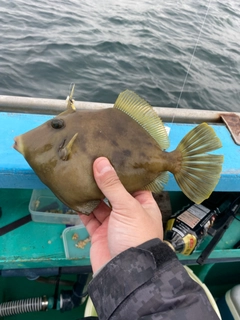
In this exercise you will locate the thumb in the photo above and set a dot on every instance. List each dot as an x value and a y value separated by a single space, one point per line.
109 183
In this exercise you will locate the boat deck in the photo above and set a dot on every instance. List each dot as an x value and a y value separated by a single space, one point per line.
40 245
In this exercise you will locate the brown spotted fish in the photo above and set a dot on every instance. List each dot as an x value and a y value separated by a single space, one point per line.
131 135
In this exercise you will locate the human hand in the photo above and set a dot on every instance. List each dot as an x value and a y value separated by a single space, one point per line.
132 220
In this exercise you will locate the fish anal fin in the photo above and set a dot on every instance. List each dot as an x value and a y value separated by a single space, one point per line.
87 207
157 185
199 171
143 113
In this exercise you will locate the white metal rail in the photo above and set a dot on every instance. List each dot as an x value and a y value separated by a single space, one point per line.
54 106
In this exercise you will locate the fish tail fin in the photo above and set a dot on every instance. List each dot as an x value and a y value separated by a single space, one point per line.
200 172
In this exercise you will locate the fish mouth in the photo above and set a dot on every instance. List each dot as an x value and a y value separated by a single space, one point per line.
18 145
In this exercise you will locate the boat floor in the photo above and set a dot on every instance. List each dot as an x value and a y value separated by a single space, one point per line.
40 245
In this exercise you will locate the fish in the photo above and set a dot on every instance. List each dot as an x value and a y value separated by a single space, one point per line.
132 136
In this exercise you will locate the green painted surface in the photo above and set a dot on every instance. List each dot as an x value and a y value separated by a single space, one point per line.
40 245
33 245
219 277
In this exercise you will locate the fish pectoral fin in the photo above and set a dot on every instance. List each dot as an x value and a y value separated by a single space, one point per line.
199 171
65 152
143 113
88 207
157 185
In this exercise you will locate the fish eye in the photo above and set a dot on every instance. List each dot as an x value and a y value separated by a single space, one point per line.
57 123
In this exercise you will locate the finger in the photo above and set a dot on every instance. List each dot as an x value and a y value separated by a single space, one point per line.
91 222
109 183
96 218
144 197
102 212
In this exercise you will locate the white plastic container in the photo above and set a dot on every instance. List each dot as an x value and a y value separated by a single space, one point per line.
229 305
45 207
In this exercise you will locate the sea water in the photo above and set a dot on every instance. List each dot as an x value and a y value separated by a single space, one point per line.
105 47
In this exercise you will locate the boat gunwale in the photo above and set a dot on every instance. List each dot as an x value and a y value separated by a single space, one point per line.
17 104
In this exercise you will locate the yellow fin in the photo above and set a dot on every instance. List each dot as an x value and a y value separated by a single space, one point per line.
157 185
200 172
65 152
142 112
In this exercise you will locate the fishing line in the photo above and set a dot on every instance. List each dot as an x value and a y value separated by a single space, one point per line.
190 64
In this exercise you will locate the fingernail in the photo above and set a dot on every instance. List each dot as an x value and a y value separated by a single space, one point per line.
103 165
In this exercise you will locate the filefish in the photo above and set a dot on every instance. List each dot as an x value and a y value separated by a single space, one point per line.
133 137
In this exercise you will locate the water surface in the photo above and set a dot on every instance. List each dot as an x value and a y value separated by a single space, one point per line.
108 46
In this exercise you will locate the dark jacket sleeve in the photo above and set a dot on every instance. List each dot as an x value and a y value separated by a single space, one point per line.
148 282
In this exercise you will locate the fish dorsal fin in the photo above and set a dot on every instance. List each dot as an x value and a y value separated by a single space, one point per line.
142 112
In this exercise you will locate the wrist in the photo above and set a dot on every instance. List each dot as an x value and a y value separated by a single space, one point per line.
170 245
161 251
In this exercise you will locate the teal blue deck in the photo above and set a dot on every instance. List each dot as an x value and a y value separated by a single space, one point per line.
39 245
33 245
16 173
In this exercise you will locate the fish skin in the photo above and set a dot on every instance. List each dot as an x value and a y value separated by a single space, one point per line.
134 154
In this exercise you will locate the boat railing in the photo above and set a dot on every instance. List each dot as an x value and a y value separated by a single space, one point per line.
30 105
